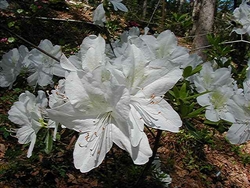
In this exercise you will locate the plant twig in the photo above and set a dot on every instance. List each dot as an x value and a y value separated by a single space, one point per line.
151 159
72 140
28 42
222 43
156 7
151 132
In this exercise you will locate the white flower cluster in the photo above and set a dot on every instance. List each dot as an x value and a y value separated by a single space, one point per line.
242 16
224 100
109 98
40 66
30 113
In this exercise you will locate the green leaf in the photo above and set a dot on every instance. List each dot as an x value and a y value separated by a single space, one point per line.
183 91
187 71
211 122
196 70
11 24
58 136
176 92
11 39
5 132
182 17
196 112
189 126
184 109
48 142
196 95
19 11
172 93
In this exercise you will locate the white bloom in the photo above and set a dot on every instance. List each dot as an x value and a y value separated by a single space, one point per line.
99 15
119 46
164 47
3 4
29 112
99 110
248 70
44 67
57 96
239 132
90 56
209 79
246 83
218 103
11 65
147 83
242 15
118 5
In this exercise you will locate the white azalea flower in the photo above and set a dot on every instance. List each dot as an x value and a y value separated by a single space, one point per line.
11 65
118 5
29 112
3 4
218 104
99 110
147 83
239 132
58 97
99 15
164 47
242 15
44 67
90 56
209 79
119 46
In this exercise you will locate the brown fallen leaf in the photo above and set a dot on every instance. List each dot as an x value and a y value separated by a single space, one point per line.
72 178
2 150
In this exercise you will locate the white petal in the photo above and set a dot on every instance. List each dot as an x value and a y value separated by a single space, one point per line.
137 126
3 4
90 152
79 98
25 134
18 114
160 86
32 144
99 15
212 115
204 100
158 114
140 154
239 133
70 117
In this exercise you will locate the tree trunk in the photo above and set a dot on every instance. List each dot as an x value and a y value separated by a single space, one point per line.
195 15
204 25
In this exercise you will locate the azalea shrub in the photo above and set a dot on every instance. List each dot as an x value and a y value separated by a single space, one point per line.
112 93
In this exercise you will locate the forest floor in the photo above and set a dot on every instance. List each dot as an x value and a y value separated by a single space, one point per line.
191 163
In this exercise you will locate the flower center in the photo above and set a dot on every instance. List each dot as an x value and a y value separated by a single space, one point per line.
218 100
